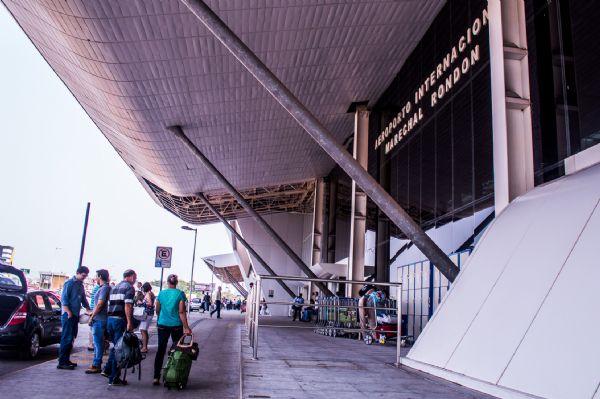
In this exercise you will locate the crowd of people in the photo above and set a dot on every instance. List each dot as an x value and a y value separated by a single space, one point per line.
111 314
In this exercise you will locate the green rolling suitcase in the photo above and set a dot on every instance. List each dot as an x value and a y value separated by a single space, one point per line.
179 364
177 370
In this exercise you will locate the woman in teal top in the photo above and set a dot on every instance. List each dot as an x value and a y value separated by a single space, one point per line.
171 321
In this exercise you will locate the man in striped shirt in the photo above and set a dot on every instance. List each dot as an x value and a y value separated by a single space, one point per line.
120 318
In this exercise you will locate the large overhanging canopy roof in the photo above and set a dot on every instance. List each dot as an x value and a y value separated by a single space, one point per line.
138 66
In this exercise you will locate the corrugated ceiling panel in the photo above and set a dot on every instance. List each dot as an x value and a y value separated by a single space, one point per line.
139 66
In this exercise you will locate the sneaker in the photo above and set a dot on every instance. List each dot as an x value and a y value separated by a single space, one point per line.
118 383
72 364
93 370
65 367
105 373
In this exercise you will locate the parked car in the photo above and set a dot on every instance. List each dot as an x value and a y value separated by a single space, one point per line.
196 305
28 320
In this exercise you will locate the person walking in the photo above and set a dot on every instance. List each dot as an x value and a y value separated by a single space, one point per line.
297 307
98 319
120 318
148 302
73 296
206 303
217 304
171 321
366 311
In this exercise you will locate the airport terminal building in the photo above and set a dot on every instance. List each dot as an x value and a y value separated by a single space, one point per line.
479 118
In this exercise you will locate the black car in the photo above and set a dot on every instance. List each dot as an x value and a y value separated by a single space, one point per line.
28 320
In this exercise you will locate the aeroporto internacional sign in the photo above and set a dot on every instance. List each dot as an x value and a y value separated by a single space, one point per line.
459 60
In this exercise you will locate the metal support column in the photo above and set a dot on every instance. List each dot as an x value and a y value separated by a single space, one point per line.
382 249
318 222
332 221
244 243
178 131
85 227
358 221
257 297
511 105
322 136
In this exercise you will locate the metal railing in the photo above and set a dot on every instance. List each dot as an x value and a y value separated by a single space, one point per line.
254 303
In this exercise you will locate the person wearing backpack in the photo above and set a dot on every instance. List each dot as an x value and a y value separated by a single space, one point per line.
171 321
120 319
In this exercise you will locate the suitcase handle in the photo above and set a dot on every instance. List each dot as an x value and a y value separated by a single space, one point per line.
180 343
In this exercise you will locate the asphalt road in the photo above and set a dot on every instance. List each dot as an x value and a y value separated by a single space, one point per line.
10 361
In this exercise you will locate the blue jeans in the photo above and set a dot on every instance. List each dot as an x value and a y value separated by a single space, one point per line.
98 330
68 335
115 327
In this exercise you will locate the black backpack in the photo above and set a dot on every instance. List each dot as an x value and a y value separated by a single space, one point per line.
128 353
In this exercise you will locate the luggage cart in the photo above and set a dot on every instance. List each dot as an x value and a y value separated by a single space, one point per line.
335 314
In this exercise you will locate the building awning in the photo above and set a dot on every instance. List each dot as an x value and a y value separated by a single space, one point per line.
137 67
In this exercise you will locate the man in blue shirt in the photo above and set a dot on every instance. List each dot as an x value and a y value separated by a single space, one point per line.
92 303
297 307
98 319
73 296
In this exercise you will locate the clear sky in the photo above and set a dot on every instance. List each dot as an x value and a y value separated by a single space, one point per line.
53 160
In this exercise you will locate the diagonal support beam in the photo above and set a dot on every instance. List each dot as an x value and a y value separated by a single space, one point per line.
178 131
320 134
244 243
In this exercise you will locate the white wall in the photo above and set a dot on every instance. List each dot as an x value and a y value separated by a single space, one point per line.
290 227
342 239
448 237
307 238
522 317
370 246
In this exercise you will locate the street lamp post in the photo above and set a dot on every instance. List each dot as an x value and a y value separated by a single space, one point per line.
193 261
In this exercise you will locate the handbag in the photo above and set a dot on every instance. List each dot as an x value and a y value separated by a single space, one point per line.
139 313
191 349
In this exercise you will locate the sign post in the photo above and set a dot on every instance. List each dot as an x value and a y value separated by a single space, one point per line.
163 260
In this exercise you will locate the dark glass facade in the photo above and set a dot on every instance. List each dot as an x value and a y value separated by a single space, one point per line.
431 131
563 61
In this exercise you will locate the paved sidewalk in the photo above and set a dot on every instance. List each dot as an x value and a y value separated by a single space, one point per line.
292 364
215 374
300 364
